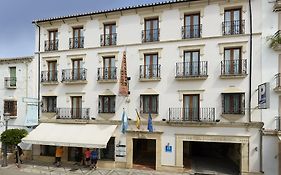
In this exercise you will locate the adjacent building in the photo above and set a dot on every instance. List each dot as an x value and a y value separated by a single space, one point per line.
188 66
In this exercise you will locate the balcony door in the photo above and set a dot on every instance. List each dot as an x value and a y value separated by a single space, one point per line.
108 67
232 20
76 106
191 63
151 65
77 37
53 36
151 29
109 34
232 61
192 26
52 70
191 107
77 69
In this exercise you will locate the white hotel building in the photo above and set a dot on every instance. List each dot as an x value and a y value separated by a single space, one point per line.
189 66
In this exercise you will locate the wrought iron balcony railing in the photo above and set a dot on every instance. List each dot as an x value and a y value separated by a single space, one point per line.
191 69
277 123
151 71
73 113
150 35
51 45
278 80
107 73
51 109
76 42
192 114
108 39
234 67
191 31
233 27
49 76
10 82
74 74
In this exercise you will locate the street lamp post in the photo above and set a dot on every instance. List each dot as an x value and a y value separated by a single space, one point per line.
5 162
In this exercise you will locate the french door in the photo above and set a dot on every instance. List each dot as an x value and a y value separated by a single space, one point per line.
232 61
191 63
191 107
192 26
52 71
151 66
76 107
108 67
151 30
77 69
232 21
109 34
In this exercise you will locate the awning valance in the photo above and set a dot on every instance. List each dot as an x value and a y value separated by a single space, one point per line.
74 135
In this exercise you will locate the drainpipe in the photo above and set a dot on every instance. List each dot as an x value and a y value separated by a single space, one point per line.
261 150
251 50
38 83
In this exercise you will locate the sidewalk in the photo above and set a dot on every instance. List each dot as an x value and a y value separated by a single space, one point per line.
41 168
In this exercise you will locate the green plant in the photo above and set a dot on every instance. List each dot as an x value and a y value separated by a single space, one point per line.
275 40
13 137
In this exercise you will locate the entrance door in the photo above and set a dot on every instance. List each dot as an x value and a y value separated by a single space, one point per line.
144 153
232 61
77 69
191 63
76 108
191 107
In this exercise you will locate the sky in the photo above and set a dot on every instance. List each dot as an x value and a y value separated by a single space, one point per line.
17 32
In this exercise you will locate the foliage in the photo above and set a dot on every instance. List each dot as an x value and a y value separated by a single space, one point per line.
13 137
275 40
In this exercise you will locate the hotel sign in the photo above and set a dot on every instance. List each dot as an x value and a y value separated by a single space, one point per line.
263 96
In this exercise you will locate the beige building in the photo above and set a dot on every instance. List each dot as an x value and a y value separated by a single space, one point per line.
188 66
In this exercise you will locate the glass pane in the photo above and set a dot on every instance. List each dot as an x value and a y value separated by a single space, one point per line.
226 104
187 20
236 15
227 16
236 106
145 104
112 104
195 63
195 20
113 28
195 107
147 25
105 104
154 104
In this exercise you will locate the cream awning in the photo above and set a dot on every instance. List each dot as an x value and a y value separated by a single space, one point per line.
74 135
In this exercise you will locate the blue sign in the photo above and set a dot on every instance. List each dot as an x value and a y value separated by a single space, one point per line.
263 96
168 148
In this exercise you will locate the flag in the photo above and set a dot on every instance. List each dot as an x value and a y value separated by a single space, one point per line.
138 121
124 122
149 123
123 86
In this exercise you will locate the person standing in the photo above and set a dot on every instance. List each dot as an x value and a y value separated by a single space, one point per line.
19 153
59 153
87 157
94 158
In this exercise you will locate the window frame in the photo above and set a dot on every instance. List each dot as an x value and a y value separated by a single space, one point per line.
10 106
241 106
102 106
150 101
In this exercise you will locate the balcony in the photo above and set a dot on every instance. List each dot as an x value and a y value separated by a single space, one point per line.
10 82
277 123
150 72
151 35
275 41
233 27
76 43
74 76
73 113
108 39
107 74
192 70
234 68
278 82
51 45
277 6
191 31
49 77
192 114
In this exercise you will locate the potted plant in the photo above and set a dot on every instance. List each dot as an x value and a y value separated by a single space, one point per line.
275 41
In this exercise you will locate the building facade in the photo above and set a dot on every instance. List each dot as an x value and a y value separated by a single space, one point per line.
188 64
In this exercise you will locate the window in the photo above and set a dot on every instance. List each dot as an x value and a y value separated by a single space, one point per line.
192 28
109 70
151 30
107 104
52 70
109 37
233 103
108 153
191 63
10 107
49 104
52 43
46 150
232 22
13 76
78 40
151 68
149 104
191 107
232 61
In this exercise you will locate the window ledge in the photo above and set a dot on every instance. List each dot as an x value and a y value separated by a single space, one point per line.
199 77
145 115
277 89
75 82
107 115
11 87
232 117
150 79
107 81
50 83
234 76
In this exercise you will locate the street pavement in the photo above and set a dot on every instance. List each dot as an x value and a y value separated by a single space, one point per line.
34 169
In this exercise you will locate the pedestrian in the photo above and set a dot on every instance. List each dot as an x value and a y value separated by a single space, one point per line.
87 157
59 153
19 153
94 158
